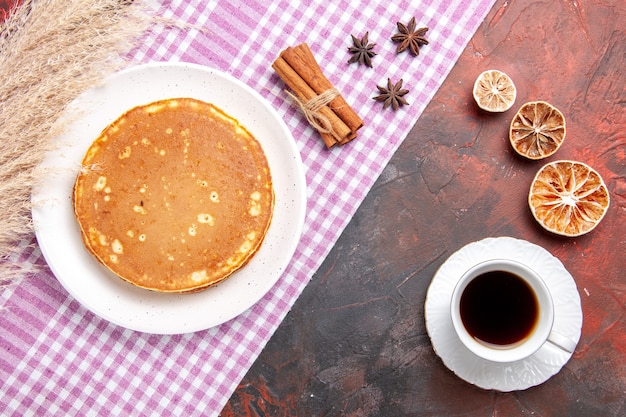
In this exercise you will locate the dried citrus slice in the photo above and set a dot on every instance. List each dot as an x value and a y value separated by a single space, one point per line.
568 198
494 91
537 130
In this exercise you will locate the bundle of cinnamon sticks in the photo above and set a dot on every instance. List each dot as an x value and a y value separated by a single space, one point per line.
325 108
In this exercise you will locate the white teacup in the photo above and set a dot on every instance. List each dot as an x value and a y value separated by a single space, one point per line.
493 318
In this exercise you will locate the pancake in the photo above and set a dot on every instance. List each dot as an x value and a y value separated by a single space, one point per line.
174 196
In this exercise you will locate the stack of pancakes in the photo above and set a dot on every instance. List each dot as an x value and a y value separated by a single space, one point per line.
174 196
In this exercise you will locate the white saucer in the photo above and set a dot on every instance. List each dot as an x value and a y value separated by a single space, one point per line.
534 370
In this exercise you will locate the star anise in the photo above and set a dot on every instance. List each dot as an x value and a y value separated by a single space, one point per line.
409 37
393 95
363 50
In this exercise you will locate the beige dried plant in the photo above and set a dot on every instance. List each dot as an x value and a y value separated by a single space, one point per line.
51 51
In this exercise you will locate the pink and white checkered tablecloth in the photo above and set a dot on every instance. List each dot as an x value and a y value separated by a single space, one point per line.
57 358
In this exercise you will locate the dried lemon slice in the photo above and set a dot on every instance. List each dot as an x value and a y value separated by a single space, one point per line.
568 198
494 91
537 130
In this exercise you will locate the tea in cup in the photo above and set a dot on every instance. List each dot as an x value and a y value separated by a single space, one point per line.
502 311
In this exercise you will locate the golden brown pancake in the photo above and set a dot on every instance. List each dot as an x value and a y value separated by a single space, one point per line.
174 196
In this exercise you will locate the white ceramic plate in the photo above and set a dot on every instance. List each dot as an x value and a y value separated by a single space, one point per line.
105 294
511 376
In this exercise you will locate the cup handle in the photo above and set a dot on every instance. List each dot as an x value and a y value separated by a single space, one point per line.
562 342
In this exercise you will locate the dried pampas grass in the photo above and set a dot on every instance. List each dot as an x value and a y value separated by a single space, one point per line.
51 51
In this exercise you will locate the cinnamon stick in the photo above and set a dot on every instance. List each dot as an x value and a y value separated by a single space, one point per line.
301 59
339 130
298 68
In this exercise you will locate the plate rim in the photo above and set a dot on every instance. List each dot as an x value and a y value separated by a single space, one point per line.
297 197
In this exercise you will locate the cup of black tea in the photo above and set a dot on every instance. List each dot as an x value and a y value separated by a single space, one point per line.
502 311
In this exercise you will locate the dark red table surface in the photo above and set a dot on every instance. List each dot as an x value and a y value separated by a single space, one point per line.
5 7
355 342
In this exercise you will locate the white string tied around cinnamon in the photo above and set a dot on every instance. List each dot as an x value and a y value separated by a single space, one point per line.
311 109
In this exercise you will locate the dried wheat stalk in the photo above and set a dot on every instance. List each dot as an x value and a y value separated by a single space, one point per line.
50 52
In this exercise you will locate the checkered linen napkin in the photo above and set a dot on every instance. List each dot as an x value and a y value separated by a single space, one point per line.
57 358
